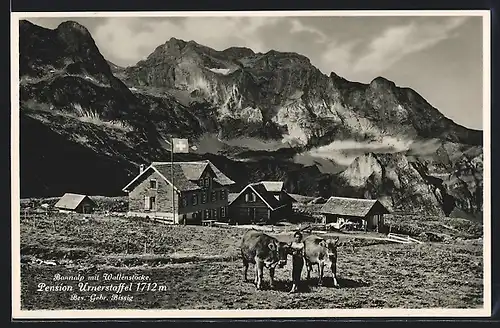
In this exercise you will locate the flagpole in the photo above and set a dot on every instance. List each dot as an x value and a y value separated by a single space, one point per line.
172 173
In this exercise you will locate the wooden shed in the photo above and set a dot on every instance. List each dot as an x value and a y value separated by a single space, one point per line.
365 214
75 203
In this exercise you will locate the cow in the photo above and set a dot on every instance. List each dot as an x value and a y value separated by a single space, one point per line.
262 251
322 252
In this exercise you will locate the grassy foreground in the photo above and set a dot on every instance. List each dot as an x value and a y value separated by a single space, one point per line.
196 267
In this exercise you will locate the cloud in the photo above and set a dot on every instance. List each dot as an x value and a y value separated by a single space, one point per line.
374 54
344 152
367 50
400 41
298 27
127 40
338 57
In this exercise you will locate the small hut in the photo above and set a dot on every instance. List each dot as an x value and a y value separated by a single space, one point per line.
75 203
365 214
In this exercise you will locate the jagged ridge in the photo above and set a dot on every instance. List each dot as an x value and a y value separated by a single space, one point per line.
186 89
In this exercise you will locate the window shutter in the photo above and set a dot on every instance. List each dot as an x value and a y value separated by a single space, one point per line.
146 203
247 197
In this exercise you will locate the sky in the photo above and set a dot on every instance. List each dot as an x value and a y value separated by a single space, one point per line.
440 57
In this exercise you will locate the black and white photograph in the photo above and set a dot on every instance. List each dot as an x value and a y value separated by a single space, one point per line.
250 164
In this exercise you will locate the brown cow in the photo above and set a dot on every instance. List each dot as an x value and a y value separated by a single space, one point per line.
262 251
322 252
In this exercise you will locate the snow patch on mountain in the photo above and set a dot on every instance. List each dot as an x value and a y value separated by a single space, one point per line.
222 71
361 169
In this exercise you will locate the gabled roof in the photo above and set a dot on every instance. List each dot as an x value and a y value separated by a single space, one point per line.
221 178
184 174
351 206
193 170
71 201
273 186
180 181
232 196
265 195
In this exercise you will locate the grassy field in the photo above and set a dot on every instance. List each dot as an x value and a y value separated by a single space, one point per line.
197 267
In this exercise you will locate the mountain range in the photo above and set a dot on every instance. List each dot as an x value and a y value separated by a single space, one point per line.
87 124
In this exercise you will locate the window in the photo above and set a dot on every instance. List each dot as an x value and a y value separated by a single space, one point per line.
250 197
208 214
184 202
195 199
214 196
207 182
222 194
215 213
203 198
222 212
149 203
153 184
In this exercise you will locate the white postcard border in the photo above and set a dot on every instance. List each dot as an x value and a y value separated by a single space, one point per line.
17 313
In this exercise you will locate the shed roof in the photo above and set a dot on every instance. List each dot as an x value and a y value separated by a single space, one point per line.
351 206
71 201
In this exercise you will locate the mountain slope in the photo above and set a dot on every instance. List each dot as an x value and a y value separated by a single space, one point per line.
407 186
88 123
286 92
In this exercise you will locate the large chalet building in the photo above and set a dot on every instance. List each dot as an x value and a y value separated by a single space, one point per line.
195 191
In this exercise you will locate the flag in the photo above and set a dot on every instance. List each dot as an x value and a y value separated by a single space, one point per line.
180 145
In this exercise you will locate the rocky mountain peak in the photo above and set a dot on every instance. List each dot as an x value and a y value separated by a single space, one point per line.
179 44
287 58
335 76
278 99
68 48
382 83
174 40
73 27
238 52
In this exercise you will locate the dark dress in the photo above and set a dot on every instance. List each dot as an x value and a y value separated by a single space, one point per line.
297 261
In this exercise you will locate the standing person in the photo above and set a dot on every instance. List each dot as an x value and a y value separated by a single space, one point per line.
297 250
